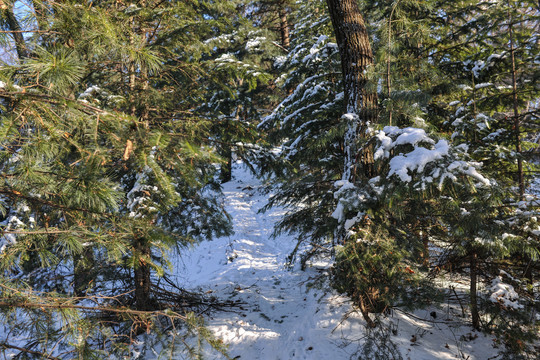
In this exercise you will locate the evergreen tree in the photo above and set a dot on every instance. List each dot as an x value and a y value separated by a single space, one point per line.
239 64
105 168
307 124
493 76
433 190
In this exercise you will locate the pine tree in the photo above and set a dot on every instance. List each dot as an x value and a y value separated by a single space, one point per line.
307 125
105 169
274 15
433 190
237 93
483 224
487 123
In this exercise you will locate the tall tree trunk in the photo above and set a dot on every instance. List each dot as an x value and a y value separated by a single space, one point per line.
137 80
284 26
475 316
388 60
225 173
360 103
83 273
142 276
6 6
517 125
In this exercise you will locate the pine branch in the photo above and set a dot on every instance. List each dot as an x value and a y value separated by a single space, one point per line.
17 194
279 46
127 311
55 100
28 351
29 31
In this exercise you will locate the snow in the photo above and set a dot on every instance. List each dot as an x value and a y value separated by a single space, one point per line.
425 151
504 294
279 61
416 160
483 85
413 136
409 135
254 43
91 91
292 314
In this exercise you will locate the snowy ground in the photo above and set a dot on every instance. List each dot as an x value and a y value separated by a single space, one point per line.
287 315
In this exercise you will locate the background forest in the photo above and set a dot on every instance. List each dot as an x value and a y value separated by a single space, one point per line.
401 137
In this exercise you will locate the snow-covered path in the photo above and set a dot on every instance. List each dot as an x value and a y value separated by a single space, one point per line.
287 315
281 320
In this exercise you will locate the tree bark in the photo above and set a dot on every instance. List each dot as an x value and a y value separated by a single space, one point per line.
142 276
83 273
360 103
225 172
284 26
475 316
388 60
365 313
6 7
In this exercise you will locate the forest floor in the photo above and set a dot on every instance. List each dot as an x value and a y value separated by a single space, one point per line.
292 314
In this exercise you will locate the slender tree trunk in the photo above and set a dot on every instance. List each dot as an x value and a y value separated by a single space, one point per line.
475 316
142 276
131 72
137 79
225 172
365 313
517 124
83 271
425 243
284 26
361 104
6 7
388 60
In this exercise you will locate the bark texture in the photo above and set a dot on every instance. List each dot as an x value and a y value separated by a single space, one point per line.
143 284
360 103
475 316
284 26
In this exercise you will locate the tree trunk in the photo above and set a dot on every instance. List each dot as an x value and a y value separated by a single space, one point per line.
6 7
517 124
284 26
225 172
388 61
365 313
83 273
142 276
360 103
425 243
473 292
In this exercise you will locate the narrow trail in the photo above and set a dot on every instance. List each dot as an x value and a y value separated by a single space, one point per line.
289 314
282 319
